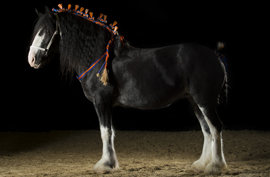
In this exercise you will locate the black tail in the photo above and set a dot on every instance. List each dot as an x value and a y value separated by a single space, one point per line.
223 96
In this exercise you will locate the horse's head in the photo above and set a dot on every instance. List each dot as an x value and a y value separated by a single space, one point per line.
45 39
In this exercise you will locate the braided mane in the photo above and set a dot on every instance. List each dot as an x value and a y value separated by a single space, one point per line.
100 21
83 40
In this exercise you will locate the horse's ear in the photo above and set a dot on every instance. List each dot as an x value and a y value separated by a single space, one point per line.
48 11
38 13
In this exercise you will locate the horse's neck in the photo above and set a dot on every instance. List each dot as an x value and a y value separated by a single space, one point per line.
80 48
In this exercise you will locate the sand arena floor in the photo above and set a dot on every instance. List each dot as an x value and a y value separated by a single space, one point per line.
140 153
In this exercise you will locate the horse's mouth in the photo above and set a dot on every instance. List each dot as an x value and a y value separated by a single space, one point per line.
36 66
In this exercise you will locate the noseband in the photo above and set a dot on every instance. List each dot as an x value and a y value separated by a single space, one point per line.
52 38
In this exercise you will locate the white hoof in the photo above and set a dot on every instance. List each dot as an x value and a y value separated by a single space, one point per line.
199 165
105 167
102 168
215 168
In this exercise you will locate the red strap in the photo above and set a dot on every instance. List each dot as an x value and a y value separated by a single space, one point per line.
121 39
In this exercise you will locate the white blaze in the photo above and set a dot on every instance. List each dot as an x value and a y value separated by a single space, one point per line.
33 50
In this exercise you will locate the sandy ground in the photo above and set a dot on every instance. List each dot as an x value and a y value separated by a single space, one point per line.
140 153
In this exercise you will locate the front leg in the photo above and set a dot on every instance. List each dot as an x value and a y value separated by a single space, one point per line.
108 162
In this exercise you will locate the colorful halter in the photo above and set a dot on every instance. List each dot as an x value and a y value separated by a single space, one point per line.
102 22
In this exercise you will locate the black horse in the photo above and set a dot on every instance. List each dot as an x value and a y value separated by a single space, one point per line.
138 78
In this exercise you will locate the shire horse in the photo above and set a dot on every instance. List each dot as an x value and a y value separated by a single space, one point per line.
136 77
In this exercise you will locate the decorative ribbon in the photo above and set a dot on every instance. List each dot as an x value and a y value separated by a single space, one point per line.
102 22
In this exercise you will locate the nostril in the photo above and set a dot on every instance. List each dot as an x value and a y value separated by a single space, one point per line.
31 57
33 60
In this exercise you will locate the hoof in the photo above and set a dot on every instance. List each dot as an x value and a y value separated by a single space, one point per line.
102 168
105 167
199 166
215 169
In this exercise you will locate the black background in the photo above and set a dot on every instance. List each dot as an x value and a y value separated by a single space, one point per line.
42 100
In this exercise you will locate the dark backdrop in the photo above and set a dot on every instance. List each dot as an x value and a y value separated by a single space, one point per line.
42 100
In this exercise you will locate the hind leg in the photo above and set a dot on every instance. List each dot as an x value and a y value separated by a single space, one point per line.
206 155
217 163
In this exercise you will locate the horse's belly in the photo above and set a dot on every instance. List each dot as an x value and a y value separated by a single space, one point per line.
150 99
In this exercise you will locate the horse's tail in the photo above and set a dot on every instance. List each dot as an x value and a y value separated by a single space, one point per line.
223 96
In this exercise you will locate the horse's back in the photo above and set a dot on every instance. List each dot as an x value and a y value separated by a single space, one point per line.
153 78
